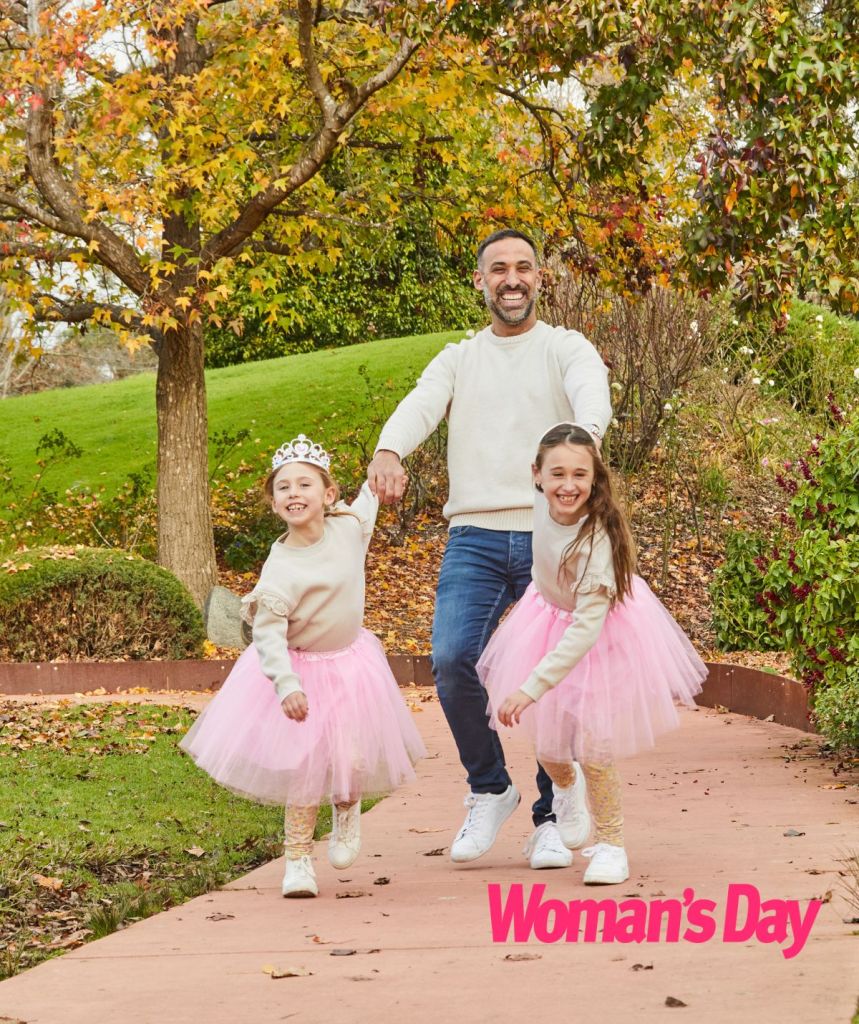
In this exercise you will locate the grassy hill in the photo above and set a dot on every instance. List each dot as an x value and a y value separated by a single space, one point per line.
320 393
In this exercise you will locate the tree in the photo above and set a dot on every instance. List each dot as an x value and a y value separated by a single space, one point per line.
151 149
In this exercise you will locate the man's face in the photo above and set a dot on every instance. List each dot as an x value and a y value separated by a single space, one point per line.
510 281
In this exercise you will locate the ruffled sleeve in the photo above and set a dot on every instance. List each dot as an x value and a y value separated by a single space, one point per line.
268 613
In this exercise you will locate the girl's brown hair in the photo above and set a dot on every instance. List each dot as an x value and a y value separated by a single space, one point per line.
603 509
327 481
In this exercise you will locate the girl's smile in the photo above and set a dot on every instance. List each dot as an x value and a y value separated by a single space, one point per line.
566 478
299 497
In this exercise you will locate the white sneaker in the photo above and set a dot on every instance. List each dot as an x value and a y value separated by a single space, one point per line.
344 843
608 865
545 848
570 805
299 879
487 812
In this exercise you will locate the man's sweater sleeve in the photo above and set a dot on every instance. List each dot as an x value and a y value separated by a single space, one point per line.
423 408
580 636
586 385
270 642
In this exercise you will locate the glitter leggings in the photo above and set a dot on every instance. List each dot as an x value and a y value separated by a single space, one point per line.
604 796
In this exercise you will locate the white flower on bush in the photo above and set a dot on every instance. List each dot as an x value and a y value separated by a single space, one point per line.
756 381
668 407
819 318
771 383
746 351
693 328
787 317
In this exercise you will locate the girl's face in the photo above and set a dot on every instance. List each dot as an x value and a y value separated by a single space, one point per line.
567 479
299 495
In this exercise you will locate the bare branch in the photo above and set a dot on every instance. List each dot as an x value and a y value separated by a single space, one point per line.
324 99
41 252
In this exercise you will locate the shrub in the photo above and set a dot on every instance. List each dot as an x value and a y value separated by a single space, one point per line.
94 604
807 581
739 618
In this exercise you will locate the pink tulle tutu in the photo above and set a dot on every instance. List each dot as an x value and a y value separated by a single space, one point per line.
617 699
358 738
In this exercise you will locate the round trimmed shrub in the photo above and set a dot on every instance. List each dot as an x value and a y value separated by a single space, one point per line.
94 604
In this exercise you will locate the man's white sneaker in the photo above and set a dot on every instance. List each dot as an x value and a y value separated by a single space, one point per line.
545 848
299 879
570 806
608 865
344 843
487 812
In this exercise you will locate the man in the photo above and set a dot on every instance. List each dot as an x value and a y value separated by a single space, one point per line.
501 390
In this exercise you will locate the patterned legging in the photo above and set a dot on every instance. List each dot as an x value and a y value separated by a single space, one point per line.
604 795
299 824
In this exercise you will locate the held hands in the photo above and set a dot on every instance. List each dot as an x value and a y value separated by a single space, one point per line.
386 477
512 708
295 706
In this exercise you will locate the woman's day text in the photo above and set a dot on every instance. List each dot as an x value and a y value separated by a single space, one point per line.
747 918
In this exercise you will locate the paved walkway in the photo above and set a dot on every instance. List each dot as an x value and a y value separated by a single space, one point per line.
709 807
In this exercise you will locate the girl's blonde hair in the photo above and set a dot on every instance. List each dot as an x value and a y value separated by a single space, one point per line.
603 509
327 481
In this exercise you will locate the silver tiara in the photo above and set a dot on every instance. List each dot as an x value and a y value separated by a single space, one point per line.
301 449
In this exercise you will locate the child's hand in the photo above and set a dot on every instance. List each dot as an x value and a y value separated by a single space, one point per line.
295 706
512 708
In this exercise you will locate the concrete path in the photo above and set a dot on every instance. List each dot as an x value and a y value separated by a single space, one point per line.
710 807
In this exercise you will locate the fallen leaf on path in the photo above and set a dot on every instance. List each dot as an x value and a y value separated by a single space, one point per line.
343 952
195 851
523 956
671 1001
218 916
286 972
421 831
641 967
791 833
382 881
351 894
435 853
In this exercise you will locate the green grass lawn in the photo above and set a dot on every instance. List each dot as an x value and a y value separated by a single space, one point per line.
114 424
104 821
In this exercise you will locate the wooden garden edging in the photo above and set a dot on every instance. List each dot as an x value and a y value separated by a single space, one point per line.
746 691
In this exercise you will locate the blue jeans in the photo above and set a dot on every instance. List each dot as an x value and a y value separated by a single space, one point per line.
482 574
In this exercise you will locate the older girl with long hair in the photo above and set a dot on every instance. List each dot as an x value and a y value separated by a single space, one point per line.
589 662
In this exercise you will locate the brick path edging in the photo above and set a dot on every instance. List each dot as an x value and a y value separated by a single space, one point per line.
746 691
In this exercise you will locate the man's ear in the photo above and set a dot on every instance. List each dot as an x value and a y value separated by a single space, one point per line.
477 280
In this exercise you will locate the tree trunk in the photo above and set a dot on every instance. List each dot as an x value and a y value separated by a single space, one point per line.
185 543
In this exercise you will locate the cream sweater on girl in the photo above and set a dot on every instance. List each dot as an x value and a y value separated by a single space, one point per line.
312 599
585 590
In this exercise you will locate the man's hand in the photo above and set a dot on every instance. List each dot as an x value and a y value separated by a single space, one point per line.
386 477
295 706
512 708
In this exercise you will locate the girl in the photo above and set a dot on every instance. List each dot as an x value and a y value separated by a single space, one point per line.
589 661
310 711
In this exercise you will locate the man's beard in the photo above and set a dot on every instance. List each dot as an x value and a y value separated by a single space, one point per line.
511 319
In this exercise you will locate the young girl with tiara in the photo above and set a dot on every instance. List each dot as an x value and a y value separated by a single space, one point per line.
589 662
311 711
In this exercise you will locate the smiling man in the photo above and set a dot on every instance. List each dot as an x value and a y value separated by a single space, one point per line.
500 390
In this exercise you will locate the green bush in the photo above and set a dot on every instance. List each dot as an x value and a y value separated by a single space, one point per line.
94 604
739 618
807 582
400 285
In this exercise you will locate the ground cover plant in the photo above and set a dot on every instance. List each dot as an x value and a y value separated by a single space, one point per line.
103 821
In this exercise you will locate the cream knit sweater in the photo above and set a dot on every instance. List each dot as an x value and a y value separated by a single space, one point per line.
500 395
